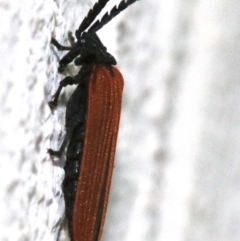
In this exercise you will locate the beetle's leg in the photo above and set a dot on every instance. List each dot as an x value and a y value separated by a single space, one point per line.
71 38
82 76
59 152
63 83
59 46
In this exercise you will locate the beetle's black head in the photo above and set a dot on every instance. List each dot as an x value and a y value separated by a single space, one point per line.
89 49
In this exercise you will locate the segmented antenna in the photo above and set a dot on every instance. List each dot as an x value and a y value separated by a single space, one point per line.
109 16
92 14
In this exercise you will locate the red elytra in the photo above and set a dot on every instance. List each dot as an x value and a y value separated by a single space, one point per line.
97 162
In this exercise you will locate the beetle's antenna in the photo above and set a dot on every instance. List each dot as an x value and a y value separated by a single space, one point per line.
109 16
92 14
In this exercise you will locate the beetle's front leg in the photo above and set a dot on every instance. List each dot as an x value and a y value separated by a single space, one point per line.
71 38
59 46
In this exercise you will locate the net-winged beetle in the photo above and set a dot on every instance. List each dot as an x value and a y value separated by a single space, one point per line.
92 120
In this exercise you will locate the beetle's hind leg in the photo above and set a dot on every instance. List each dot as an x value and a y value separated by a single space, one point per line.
69 132
60 151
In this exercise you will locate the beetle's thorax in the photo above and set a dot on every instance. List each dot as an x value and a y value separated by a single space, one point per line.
91 50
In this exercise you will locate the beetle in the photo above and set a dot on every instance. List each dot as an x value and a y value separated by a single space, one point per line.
91 122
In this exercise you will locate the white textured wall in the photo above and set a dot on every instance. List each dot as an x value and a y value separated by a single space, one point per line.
176 176
31 203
